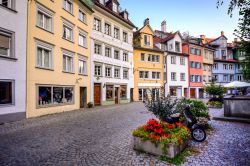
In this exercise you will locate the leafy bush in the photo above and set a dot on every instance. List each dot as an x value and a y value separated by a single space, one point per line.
198 108
90 104
219 99
215 90
161 107
216 104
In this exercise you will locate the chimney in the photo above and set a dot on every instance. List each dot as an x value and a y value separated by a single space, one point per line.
222 33
164 26
146 21
203 38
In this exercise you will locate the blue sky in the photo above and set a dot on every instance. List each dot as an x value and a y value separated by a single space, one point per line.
196 16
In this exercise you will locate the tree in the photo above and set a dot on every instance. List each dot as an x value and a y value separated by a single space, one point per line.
243 31
215 90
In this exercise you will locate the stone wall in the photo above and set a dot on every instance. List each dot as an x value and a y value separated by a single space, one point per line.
237 107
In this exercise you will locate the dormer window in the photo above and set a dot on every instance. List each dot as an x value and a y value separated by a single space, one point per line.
125 15
114 7
146 40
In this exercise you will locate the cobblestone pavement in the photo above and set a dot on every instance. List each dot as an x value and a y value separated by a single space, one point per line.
102 136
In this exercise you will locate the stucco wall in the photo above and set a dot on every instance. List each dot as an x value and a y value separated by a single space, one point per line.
15 69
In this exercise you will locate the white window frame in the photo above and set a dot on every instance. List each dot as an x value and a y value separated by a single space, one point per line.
70 27
110 51
85 63
107 28
125 37
142 60
11 36
108 71
183 76
119 56
119 73
99 67
173 76
97 24
116 33
125 70
82 16
65 6
99 50
173 59
50 48
11 4
182 61
84 35
125 57
45 12
68 55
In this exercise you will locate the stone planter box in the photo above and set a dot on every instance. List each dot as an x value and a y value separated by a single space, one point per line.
146 146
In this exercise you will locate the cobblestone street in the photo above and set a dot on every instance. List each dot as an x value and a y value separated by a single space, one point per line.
102 136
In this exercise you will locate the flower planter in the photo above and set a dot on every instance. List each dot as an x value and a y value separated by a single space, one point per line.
170 151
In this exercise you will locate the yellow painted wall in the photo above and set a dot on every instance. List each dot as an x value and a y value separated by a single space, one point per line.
208 60
56 77
146 66
146 31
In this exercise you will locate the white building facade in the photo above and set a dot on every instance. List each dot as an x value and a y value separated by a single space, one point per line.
112 78
175 65
13 27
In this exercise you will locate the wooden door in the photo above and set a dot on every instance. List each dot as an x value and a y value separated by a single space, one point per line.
131 95
83 97
97 94
116 95
192 93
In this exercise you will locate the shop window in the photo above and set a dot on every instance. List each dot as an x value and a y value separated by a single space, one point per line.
123 92
6 92
109 92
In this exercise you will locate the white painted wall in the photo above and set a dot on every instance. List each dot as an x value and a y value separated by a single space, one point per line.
113 43
15 69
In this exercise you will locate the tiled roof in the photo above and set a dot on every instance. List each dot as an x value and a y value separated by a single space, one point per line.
97 3
225 60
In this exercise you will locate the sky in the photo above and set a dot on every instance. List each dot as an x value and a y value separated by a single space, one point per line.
199 17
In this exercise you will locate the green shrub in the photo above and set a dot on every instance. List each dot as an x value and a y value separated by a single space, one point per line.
198 108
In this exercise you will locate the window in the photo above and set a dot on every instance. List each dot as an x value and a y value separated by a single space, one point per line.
116 33
108 71
125 74
143 74
204 78
170 47
177 47
153 58
239 77
223 53
6 92
182 61
98 70
68 62
173 59
231 77
146 40
142 57
53 95
82 16
98 49
195 78
117 73
204 67
182 77
68 6
195 51
215 77
173 76
156 75
173 91
116 54
109 92
82 41
67 32
215 66
231 67
44 18
44 56
82 66
102 1
123 92
8 3
114 7
108 52
225 78
125 57
125 37
196 65
107 29
225 66
97 24
6 44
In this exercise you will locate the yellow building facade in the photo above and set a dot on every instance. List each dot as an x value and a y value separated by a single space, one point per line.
58 56
208 61
148 64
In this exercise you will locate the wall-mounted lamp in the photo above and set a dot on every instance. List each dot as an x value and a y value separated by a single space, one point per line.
77 80
104 85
